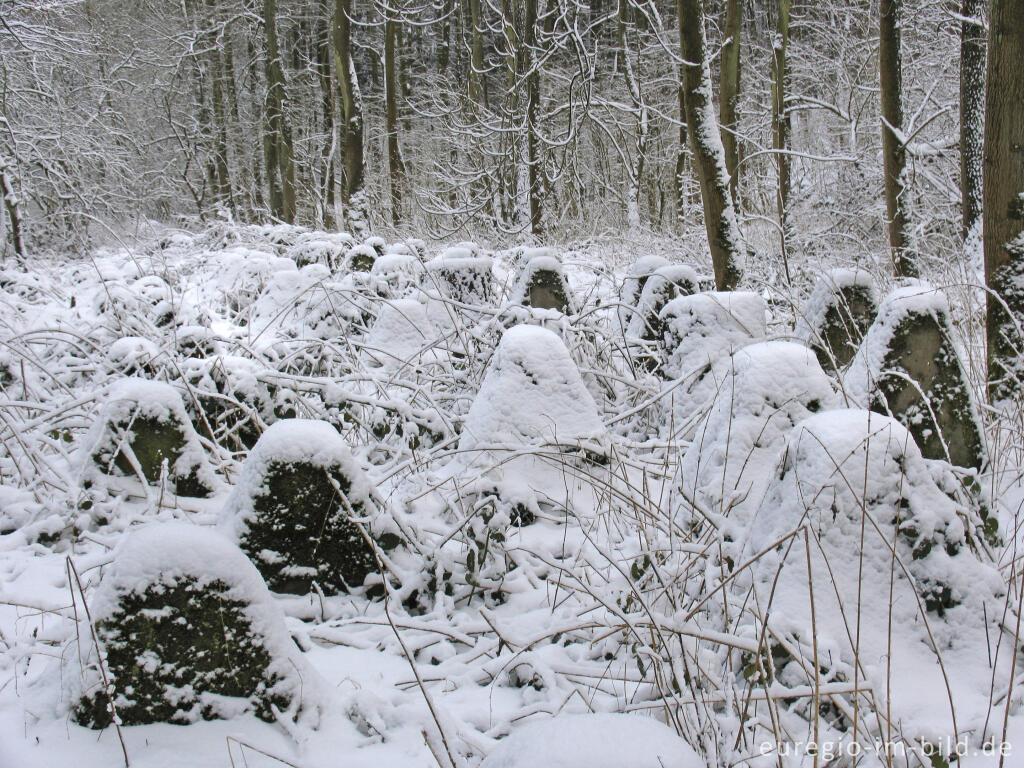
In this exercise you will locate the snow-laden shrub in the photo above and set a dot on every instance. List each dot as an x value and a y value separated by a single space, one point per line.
599 740
836 316
235 404
329 253
542 285
196 341
308 304
699 329
241 275
908 367
902 585
188 631
633 286
132 356
533 394
402 337
766 389
665 284
142 425
298 506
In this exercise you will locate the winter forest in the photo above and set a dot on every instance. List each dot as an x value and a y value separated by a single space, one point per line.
512 383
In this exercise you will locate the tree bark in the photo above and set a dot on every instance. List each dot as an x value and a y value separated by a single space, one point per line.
477 83
396 171
706 145
532 103
972 114
781 128
894 153
351 112
329 150
729 90
12 207
1004 198
279 155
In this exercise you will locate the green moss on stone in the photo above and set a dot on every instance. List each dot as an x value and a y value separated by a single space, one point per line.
546 290
922 359
167 646
847 319
152 441
300 531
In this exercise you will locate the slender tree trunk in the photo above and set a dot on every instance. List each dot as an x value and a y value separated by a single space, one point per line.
706 144
894 154
532 73
351 113
218 98
329 151
1004 198
730 90
279 157
781 128
683 151
640 129
477 83
972 115
11 205
396 170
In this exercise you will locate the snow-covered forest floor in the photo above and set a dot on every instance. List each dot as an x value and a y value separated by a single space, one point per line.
727 544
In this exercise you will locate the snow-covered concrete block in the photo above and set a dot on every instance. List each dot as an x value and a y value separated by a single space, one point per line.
837 315
142 425
298 507
909 367
189 631
542 285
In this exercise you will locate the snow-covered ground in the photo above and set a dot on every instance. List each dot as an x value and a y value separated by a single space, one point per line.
727 545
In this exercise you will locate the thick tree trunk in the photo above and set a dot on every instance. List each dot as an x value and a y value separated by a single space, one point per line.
352 115
972 115
894 154
706 144
279 156
1004 198
781 128
396 170
729 90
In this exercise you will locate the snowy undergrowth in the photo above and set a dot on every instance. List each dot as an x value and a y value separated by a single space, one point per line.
552 551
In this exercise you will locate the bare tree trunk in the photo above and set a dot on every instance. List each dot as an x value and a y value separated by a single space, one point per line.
220 148
352 116
729 90
972 115
329 151
532 73
781 128
396 170
1004 198
477 83
12 207
706 144
636 172
894 153
278 140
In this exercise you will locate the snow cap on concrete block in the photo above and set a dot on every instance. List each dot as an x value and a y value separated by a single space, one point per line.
532 394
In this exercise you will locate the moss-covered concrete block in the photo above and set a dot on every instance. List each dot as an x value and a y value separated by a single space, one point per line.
298 508
142 425
908 366
188 631
837 315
